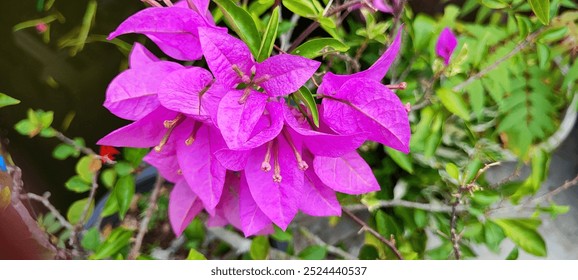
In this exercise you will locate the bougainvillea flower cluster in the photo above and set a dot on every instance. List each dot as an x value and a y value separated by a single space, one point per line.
230 138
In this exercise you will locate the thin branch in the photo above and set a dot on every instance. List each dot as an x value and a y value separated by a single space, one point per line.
83 149
454 236
549 195
75 236
529 39
143 227
330 248
366 227
403 203
44 200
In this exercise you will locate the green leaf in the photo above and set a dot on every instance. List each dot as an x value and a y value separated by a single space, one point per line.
494 235
63 151
269 36
6 100
116 241
259 248
77 184
494 4
281 235
85 168
368 252
523 233
307 98
91 239
386 225
304 8
108 178
46 118
124 192
75 211
242 23
314 252
134 155
540 164
110 207
195 255
25 127
123 168
477 97
454 102
513 255
402 160
541 9
320 46
453 171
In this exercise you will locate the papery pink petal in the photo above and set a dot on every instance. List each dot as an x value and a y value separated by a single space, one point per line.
285 73
253 220
348 174
320 143
373 109
222 52
229 204
237 121
199 6
144 133
279 201
231 159
165 162
318 199
446 45
332 82
133 93
203 173
173 29
381 6
140 56
183 207
180 91
267 128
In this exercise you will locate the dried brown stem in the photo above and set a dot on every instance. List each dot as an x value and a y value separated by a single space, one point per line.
330 248
366 227
44 200
143 227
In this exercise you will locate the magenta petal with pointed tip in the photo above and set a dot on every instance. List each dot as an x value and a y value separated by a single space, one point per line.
180 91
278 200
231 159
373 109
332 82
140 56
222 52
318 199
348 174
199 6
285 73
321 143
267 128
165 162
237 121
203 173
133 93
173 29
446 45
253 220
183 207
144 133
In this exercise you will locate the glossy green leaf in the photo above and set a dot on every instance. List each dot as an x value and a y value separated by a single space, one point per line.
453 171
116 241
454 102
123 168
304 8
281 235
402 160
6 100
63 151
495 4
91 239
269 36
368 252
242 23
386 225
134 155
77 184
259 248
307 98
195 255
110 207
314 252
74 213
108 178
541 9
513 255
124 191
86 167
524 234
319 46
540 164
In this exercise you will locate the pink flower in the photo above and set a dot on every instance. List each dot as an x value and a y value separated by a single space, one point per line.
41 27
446 45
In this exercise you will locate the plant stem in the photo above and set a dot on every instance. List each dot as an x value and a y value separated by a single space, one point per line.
143 227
